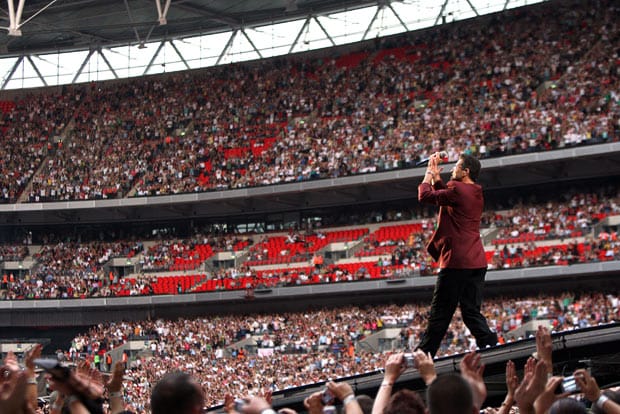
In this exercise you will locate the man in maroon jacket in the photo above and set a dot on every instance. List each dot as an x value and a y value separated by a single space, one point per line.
457 247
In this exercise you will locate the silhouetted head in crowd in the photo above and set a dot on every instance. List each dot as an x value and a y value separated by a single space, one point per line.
450 394
365 403
568 406
178 393
405 402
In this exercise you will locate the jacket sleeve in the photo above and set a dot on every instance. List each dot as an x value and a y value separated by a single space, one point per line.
440 195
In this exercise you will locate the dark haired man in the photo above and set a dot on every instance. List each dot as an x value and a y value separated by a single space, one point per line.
457 247
450 394
178 393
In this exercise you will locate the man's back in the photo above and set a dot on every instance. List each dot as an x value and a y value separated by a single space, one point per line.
456 242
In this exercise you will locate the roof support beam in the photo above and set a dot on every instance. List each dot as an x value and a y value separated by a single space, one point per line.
443 8
161 46
180 55
228 45
325 31
398 17
105 59
36 69
216 16
12 72
15 18
252 43
379 8
473 8
79 72
135 30
305 25
162 13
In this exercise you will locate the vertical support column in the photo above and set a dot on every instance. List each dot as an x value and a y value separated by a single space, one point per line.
162 13
15 18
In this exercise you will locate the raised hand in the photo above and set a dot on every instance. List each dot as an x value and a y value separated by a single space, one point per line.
532 386
425 365
472 369
394 367
512 381
115 384
544 347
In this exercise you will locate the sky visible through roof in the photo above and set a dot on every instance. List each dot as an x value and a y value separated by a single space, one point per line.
248 43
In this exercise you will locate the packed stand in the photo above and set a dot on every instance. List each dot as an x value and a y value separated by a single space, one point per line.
295 349
32 128
394 250
70 270
292 119
553 220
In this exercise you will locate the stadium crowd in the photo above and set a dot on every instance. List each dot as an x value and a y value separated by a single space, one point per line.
477 90
531 234
295 349
304 348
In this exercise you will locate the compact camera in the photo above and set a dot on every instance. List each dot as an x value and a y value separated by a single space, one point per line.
239 404
409 360
54 368
327 398
568 384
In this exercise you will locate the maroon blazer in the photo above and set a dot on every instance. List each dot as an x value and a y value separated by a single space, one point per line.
456 242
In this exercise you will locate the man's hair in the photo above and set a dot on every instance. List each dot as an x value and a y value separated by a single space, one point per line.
176 392
366 402
567 406
470 162
450 394
405 402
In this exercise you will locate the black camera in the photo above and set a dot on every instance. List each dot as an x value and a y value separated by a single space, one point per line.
54 368
569 385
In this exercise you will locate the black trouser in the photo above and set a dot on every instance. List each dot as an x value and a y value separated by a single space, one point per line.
462 287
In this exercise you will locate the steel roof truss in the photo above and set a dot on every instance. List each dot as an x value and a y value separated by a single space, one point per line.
180 55
36 69
398 17
443 8
379 8
251 43
227 47
161 45
472 7
15 18
105 59
130 15
79 72
303 27
325 31
162 13
12 72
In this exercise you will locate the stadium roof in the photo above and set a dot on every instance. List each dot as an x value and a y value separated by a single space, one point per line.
80 24
125 38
